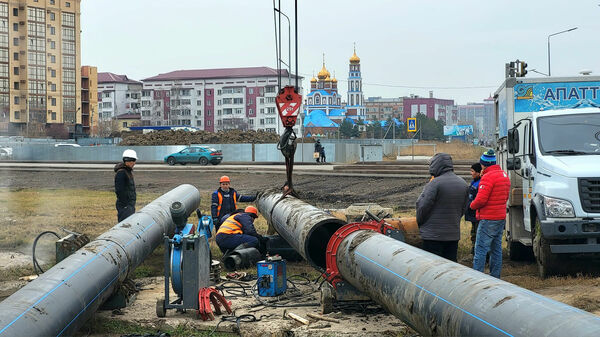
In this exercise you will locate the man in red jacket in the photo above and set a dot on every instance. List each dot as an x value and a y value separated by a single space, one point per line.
490 205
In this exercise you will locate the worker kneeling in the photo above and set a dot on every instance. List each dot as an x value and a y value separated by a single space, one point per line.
239 229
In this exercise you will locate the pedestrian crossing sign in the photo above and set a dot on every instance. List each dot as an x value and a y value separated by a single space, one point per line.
412 124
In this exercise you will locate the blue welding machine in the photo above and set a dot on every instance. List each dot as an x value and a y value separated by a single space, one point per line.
271 277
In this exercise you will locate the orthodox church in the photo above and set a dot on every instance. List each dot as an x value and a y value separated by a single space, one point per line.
323 106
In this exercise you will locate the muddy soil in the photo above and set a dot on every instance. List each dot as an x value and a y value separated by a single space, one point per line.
322 191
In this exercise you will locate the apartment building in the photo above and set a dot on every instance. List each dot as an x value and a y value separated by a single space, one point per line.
436 108
117 95
381 108
215 99
40 86
89 100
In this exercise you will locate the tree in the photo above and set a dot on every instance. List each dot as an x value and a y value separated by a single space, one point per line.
374 130
348 130
430 128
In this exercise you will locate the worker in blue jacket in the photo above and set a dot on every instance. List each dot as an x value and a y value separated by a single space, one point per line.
224 201
469 213
238 229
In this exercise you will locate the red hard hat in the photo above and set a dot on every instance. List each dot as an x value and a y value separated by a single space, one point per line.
252 210
224 179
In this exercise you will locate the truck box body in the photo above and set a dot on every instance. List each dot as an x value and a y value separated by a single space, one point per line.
555 188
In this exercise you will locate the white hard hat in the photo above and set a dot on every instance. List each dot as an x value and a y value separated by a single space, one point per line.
129 153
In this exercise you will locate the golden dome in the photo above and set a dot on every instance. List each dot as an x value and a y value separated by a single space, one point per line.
323 74
328 79
354 58
334 80
313 79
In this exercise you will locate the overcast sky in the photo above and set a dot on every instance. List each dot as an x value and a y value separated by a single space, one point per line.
456 48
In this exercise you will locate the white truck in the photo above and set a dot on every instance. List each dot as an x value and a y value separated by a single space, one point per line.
549 143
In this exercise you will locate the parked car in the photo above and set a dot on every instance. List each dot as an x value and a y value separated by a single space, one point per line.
67 144
195 154
6 152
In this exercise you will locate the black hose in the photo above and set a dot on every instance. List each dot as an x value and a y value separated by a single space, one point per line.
36 265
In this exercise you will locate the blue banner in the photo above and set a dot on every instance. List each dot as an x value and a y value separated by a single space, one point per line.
531 97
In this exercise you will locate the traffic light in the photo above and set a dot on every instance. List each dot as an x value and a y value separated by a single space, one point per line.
511 69
523 69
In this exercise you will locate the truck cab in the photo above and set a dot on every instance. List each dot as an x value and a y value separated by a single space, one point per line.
551 150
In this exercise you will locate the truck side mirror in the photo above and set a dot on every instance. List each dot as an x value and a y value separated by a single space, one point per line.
513 141
513 163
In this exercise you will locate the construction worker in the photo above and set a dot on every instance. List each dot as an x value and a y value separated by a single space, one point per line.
125 185
238 229
225 199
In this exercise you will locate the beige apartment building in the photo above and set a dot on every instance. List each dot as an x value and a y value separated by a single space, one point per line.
40 62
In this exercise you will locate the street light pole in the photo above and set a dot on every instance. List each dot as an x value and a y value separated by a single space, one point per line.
564 31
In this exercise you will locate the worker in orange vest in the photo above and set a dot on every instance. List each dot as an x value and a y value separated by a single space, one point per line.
225 199
238 229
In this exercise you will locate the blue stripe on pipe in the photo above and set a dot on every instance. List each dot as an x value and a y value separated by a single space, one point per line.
53 289
435 295
92 301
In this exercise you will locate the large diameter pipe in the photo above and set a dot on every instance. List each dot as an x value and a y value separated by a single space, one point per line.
59 301
306 228
437 297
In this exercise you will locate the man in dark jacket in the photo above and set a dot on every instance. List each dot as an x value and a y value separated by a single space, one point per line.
319 150
125 185
238 229
470 214
225 199
440 207
490 204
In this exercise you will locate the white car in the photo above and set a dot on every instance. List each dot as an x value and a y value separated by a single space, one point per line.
6 152
67 144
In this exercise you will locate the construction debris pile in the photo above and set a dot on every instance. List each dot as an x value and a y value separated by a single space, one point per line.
181 137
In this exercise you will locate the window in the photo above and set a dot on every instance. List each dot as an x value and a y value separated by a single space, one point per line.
251 91
52 16
53 101
53 114
67 4
16 100
262 101
15 12
53 87
16 85
198 123
270 111
146 93
16 41
270 99
16 56
251 121
262 121
250 111
52 73
238 111
199 93
198 102
17 114
238 101
16 70
270 89
52 30
16 27
219 92
52 2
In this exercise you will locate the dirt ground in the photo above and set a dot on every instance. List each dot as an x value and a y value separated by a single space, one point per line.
373 322
322 191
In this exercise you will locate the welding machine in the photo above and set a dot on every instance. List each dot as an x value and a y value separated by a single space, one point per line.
271 276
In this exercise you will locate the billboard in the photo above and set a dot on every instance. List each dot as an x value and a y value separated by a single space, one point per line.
458 130
556 95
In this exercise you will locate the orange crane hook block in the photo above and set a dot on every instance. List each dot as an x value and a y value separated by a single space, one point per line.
288 104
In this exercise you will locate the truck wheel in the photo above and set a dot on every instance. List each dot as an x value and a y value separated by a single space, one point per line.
171 161
547 262
203 161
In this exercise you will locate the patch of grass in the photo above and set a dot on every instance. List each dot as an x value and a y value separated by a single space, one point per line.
457 149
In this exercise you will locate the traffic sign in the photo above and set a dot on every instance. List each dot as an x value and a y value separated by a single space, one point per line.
412 124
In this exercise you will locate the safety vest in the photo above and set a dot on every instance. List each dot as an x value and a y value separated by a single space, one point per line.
234 195
231 226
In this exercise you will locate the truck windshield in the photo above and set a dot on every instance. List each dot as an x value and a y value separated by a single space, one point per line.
569 135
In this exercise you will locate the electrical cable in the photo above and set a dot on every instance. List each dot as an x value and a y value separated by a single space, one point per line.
36 265
245 318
